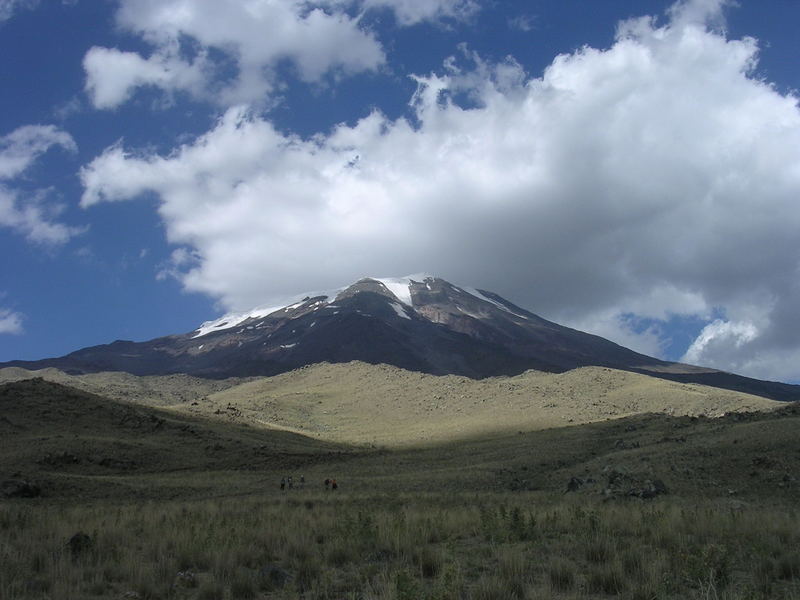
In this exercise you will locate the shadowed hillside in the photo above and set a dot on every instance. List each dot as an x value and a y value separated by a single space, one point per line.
149 390
72 441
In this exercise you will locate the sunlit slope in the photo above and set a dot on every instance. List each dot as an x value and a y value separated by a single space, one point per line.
149 390
384 405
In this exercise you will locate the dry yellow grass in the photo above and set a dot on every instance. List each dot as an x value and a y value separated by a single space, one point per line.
160 390
387 406
382 405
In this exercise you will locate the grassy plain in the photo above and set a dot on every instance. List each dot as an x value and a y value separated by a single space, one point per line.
187 506
407 546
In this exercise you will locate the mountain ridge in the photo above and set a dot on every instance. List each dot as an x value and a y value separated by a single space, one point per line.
418 323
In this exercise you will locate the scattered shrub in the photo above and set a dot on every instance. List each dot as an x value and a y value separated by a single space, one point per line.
349 547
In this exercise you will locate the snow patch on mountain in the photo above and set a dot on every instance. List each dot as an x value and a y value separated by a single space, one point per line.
399 310
231 320
401 286
477 294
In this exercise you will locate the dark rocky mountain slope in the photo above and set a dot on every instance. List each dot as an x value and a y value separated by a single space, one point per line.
424 324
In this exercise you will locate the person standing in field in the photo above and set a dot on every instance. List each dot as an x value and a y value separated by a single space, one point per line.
334 485
283 484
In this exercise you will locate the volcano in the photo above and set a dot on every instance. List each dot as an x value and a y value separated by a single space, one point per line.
419 323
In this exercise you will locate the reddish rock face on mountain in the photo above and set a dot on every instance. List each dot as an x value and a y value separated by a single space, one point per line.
424 324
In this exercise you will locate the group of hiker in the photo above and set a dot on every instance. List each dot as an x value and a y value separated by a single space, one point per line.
288 482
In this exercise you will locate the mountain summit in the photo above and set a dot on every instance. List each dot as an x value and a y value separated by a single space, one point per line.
419 323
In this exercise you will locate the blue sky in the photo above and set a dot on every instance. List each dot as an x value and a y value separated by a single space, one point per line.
629 168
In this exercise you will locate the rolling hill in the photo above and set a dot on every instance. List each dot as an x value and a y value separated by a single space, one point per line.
422 324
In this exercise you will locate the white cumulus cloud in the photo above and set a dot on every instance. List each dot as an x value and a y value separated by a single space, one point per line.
20 148
523 23
112 75
227 50
10 321
31 216
9 7
720 342
28 212
411 12
657 177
